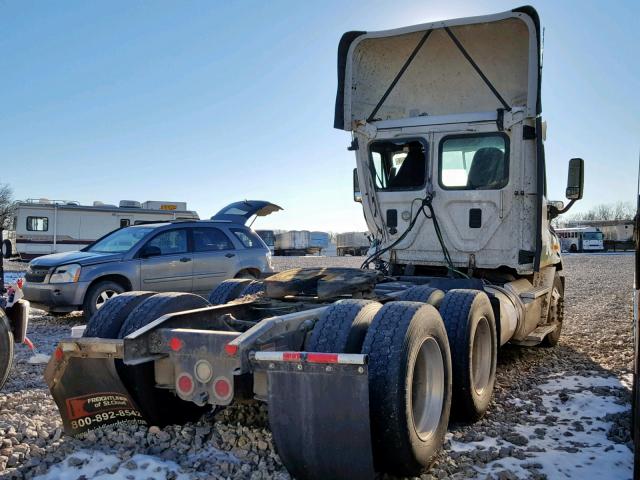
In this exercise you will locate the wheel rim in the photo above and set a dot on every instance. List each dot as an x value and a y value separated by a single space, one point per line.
104 296
481 356
427 388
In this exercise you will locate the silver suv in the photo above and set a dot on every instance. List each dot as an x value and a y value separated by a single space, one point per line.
182 256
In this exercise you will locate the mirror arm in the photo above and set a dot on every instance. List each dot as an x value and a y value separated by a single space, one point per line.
554 212
566 209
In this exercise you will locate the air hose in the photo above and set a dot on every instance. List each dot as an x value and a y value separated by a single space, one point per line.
426 202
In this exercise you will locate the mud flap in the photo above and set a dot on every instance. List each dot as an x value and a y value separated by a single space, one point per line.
319 416
89 394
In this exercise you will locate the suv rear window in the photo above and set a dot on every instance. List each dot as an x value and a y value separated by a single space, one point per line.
248 238
210 239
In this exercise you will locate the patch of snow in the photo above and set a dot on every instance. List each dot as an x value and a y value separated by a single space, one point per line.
574 382
97 465
12 277
38 358
484 444
575 446
627 380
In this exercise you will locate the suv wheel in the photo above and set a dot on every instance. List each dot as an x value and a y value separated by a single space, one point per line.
98 294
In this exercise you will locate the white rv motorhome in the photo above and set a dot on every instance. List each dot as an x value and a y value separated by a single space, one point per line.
45 226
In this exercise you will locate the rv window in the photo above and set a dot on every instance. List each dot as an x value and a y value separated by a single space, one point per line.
124 222
210 239
37 224
398 164
474 162
247 238
170 242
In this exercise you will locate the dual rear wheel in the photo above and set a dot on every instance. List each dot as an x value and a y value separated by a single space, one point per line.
127 313
421 363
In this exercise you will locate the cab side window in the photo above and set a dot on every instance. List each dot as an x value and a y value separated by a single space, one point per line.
398 164
474 162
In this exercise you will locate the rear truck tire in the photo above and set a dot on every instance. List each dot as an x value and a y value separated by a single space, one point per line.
409 386
556 313
7 249
98 294
254 287
6 348
342 326
158 406
107 322
422 293
471 328
228 290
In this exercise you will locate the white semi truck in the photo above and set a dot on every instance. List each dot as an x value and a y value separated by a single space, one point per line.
362 368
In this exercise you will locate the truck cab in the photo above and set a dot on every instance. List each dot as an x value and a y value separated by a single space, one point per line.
449 143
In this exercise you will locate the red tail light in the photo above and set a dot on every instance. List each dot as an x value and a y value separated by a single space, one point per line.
231 349
176 344
222 387
185 384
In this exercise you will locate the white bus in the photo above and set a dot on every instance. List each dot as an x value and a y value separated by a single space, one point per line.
581 239
43 226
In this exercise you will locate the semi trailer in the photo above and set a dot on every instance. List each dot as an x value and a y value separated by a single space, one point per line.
300 242
362 369
352 243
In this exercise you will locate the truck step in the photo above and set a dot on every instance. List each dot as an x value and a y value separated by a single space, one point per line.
534 293
535 337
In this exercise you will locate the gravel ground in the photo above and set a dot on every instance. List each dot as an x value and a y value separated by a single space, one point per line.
561 410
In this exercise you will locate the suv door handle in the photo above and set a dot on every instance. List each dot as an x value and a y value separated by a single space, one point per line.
185 259
229 255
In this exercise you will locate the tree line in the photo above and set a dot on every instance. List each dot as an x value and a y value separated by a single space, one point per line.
607 211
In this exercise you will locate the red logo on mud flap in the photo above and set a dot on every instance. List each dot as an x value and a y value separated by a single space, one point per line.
78 407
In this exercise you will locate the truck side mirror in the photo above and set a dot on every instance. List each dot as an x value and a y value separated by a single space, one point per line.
357 194
575 180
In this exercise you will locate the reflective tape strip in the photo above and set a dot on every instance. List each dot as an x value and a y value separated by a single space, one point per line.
311 357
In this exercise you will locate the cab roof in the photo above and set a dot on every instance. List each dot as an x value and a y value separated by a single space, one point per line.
462 66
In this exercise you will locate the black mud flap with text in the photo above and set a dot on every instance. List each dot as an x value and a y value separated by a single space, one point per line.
319 416
90 394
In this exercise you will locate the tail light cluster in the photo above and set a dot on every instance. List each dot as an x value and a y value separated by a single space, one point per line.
199 380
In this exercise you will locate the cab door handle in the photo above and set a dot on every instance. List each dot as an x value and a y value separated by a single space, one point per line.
229 255
185 259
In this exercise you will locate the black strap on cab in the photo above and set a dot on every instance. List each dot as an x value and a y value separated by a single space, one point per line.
477 69
400 73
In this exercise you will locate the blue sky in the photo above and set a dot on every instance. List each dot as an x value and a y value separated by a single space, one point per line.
211 102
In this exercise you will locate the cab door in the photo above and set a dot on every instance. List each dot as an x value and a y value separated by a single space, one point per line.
476 178
170 268
394 172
